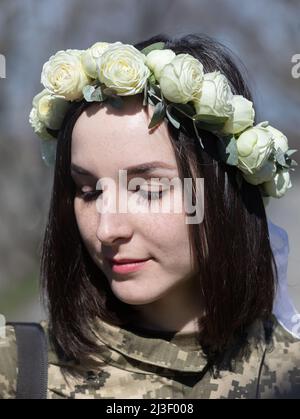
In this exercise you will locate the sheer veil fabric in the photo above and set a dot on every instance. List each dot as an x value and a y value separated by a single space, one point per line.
284 309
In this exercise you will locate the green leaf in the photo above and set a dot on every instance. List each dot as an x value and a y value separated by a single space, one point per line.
152 47
228 150
93 94
197 134
290 152
185 108
152 79
211 119
171 118
209 127
145 93
294 163
87 92
280 158
158 114
155 90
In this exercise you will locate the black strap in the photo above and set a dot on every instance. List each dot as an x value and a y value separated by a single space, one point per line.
32 380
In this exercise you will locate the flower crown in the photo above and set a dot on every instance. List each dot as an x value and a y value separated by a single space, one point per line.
178 88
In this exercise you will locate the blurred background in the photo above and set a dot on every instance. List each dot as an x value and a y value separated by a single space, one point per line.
265 34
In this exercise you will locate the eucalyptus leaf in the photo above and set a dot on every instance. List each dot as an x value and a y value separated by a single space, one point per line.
158 114
171 118
280 158
290 152
197 134
152 79
152 47
87 92
145 94
185 108
228 150
209 127
98 96
155 90
211 119
93 93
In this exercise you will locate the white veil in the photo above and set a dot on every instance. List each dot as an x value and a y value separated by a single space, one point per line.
284 309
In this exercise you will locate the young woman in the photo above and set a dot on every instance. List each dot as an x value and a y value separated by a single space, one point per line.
142 303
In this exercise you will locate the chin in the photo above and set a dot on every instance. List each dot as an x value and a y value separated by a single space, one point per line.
133 297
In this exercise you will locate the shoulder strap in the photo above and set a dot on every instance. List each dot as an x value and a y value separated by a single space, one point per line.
32 380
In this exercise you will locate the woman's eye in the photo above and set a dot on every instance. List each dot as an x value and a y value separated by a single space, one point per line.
89 195
151 195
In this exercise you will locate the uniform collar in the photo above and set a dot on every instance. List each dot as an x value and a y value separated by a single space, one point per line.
135 348
141 350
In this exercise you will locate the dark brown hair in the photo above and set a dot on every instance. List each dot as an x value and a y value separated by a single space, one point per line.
238 273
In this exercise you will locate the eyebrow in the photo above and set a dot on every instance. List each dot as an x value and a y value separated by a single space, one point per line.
141 169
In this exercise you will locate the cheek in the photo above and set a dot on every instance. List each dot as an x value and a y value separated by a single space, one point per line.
86 218
170 233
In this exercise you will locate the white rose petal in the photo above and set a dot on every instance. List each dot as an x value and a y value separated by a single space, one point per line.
90 58
122 67
64 76
38 126
181 79
280 140
254 148
264 174
51 110
279 185
242 117
156 60
216 96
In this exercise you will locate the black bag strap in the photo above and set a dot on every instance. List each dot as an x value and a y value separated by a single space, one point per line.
32 345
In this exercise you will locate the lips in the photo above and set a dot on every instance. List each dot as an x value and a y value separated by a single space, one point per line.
124 261
126 266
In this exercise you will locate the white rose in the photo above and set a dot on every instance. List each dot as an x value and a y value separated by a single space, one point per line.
38 126
181 79
216 96
63 75
254 148
242 117
264 174
50 109
280 140
122 68
90 58
278 186
156 60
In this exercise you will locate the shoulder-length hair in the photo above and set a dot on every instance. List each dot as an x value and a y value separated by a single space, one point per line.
237 275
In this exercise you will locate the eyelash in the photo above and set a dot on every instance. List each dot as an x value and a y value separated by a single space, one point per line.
145 195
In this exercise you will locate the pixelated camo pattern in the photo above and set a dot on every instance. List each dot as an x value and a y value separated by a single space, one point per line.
130 365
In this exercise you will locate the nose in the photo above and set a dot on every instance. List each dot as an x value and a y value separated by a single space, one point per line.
113 226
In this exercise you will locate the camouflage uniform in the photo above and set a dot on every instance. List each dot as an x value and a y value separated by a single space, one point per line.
132 365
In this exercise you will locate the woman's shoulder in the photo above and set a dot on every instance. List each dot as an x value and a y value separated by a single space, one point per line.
280 373
8 363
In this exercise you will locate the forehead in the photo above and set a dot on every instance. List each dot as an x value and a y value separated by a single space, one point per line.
108 138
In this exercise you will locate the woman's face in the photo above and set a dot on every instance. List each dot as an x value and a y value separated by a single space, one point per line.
105 140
